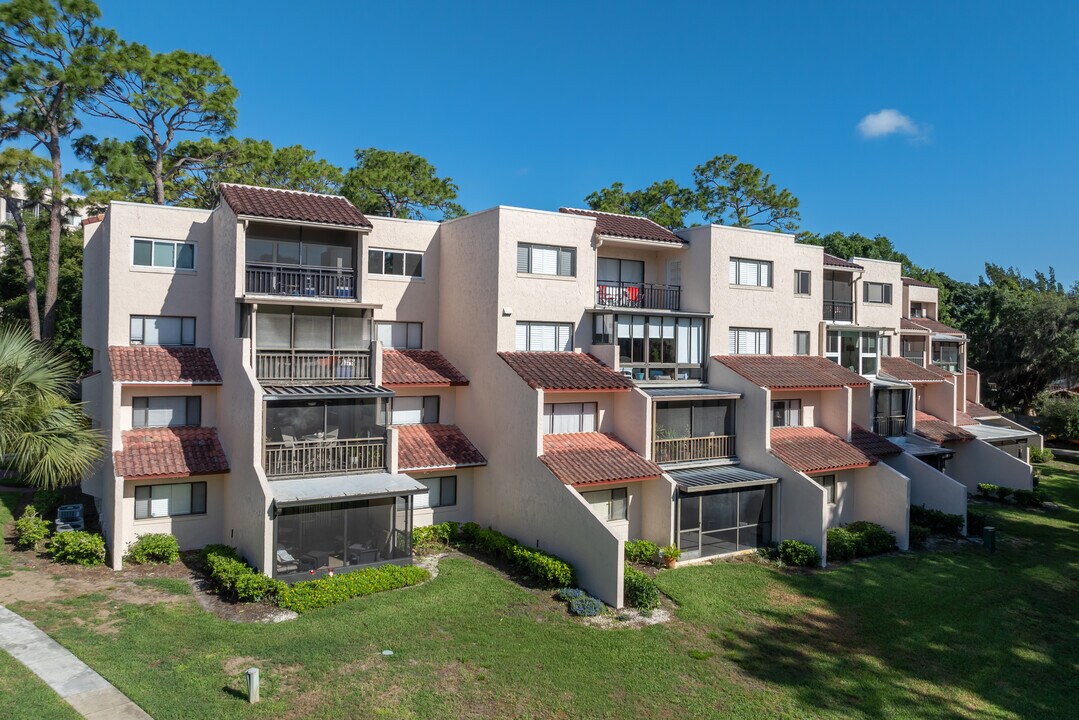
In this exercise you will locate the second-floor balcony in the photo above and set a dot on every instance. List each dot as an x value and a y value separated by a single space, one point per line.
325 455
679 450
890 425
313 367
645 296
300 281
838 311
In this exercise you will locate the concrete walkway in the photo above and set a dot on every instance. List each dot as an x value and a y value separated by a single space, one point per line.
86 691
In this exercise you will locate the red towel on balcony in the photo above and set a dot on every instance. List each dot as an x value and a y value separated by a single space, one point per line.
633 293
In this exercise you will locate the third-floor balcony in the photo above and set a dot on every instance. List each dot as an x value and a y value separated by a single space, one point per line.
300 281
838 311
679 450
312 367
644 296
890 425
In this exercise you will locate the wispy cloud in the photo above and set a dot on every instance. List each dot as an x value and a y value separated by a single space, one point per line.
891 122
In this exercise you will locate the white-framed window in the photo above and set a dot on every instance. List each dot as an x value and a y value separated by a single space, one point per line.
157 330
946 355
802 282
441 492
801 342
170 254
608 504
544 337
854 350
913 349
569 418
786 413
751 272
750 341
400 335
877 293
172 500
415 410
402 263
546 260
828 483
885 345
171 411
917 310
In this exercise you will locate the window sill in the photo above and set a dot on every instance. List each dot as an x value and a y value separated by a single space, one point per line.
394 278
541 276
163 271
736 286
172 518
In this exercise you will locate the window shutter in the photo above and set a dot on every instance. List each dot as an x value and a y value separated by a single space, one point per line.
588 417
734 272
749 273
544 260
430 409
733 344
139 412
521 343
385 334
407 410
522 258
566 262
564 338
888 294
674 273
194 410
766 274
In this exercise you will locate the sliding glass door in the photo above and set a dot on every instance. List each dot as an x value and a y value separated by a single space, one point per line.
724 521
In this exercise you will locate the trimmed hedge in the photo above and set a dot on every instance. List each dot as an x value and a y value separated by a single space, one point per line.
641 551
235 579
639 590
30 529
78 547
870 538
841 544
936 521
919 535
154 548
797 553
547 570
434 538
326 591
256 587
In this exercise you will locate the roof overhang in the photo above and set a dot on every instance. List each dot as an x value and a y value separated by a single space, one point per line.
690 393
638 242
341 488
644 311
303 392
996 433
256 299
945 337
722 477
245 219
880 382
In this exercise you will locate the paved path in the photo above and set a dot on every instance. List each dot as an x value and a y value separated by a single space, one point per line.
86 691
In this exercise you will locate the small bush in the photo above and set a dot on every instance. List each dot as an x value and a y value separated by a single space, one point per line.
46 502
326 591
919 535
218 549
30 529
434 538
841 544
641 551
639 590
1041 456
1003 493
870 538
469 531
935 520
986 489
769 553
78 547
226 572
154 548
975 523
567 594
799 554
1027 498
255 587
586 606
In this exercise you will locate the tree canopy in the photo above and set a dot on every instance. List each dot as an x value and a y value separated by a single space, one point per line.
740 194
401 185
664 202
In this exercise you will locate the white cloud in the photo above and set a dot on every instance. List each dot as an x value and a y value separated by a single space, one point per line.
890 122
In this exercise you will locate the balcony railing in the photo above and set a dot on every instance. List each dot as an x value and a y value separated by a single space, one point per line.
916 358
296 367
892 426
714 447
300 281
838 311
324 457
644 296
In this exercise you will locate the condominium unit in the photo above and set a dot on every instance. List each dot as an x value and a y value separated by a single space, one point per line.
289 376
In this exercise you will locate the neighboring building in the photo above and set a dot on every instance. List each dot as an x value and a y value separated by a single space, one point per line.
76 211
288 376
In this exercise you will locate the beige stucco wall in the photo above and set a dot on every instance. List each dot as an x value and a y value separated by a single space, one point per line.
835 411
406 299
191 531
461 512
873 314
882 495
979 462
937 398
926 296
208 393
447 400
929 486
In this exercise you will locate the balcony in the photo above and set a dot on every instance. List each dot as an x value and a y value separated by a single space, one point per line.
324 456
838 311
713 447
890 426
296 367
300 281
641 296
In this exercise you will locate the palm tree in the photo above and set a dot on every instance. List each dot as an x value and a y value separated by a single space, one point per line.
44 437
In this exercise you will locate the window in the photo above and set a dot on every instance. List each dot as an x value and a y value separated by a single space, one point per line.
544 337
286 328
546 260
441 492
838 296
913 349
917 310
877 293
173 500
676 420
786 413
395 262
856 351
163 254
750 341
828 482
616 271
569 418
415 410
946 355
751 272
802 282
166 411
155 330
664 348
608 504
602 329
890 412
801 342
400 335
885 345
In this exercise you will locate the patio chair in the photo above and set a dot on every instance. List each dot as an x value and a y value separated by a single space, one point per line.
71 516
285 562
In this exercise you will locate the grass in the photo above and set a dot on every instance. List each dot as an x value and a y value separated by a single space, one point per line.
27 697
170 586
955 633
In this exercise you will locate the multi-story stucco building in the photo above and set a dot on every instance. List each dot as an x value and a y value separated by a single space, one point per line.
288 376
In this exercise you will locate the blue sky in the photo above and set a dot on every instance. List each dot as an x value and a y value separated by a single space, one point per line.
537 105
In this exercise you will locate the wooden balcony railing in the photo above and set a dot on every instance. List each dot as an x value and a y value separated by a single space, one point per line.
892 426
300 281
300 367
838 311
714 447
644 296
324 457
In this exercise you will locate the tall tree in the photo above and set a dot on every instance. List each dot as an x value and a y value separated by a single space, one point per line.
165 97
737 193
51 58
399 184
664 202
23 176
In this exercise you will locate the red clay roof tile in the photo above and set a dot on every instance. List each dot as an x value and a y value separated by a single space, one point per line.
906 324
590 458
872 444
904 370
834 261
153 364
791 371
931 325
628 226
435 447
565 371
917 283
813 449
419 367
277 204
933 428
169 453
977 410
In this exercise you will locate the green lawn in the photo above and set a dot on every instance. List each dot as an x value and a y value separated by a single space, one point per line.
23 696
957 633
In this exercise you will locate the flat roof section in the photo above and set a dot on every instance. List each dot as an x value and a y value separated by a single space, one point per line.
718 477
338 488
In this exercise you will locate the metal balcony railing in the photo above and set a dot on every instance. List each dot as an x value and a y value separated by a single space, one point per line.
300 281
643 296
302 458
838 311
891 426
713 447
301 367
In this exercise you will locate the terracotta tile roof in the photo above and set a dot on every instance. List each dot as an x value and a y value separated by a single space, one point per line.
977 410
872 444
910 325
152 364
590 458
435 447
934 326
92 219
419 367
628 226
904 370
933 428
962 419
917 283
565 371
813 449
791 371
279 204
834 261
169 453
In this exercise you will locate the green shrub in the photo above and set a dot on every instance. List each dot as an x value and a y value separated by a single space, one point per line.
870 538
1003 493
975 523
1041 456
567 594
986 489
935 520
218 549
799 554
78 547
639 590
547 570
469 531
434 538
255 587
226 572
586 606
154 548
30 529
919 535
1027 498
46 502
641 551
326 591
841 544
1059 417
